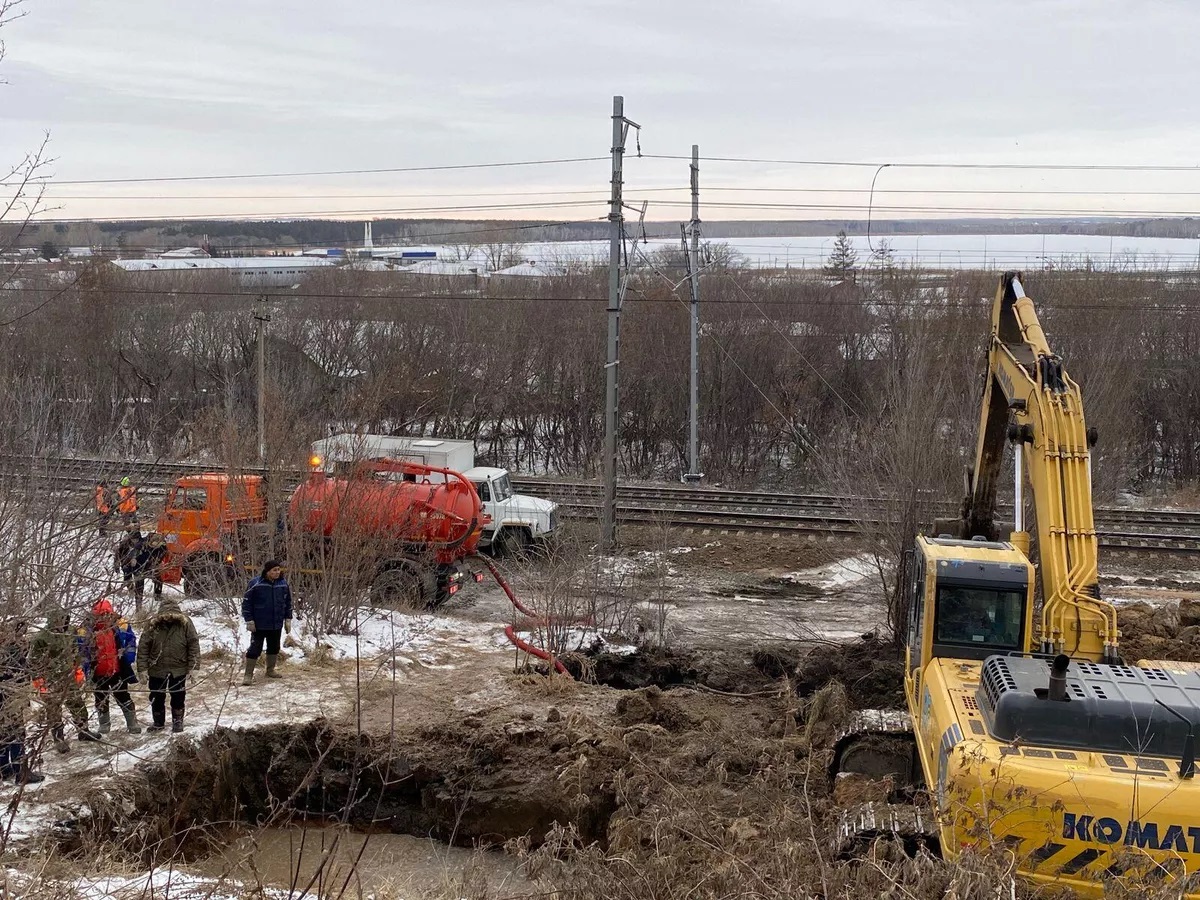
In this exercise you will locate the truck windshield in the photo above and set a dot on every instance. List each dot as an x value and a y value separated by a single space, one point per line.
974 615
501 489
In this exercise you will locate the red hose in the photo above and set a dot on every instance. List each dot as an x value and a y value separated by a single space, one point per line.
521 607
510 631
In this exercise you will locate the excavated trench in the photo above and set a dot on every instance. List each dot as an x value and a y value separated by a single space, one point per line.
464 790
480 779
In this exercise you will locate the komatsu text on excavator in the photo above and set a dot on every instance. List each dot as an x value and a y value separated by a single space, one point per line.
1024 726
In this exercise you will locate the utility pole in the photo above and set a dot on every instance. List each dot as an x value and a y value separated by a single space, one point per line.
692 247
262 317
616 218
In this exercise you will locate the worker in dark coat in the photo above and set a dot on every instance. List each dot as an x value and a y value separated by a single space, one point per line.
150 561
126 553
57 669
14 701
170 650
109 649
267 611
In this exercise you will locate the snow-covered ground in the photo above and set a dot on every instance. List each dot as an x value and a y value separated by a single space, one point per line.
319 680
940 251
166 883
839 575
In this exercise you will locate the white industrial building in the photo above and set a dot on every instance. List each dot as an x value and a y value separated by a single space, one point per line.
264 270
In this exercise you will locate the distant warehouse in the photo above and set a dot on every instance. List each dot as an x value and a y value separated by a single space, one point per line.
254 270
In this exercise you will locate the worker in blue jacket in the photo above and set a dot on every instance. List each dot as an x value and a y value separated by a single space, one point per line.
267 611
108 652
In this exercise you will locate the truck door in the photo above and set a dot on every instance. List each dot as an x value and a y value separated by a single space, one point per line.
186 517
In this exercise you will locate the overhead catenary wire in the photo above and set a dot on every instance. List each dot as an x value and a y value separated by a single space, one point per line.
390 170
917 164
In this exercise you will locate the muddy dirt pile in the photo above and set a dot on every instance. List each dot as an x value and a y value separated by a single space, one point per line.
870 669
1170 632
659 791
477 778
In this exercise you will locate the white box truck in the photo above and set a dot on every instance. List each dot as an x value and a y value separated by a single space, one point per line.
518 521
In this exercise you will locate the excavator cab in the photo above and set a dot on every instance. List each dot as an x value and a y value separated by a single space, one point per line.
968 600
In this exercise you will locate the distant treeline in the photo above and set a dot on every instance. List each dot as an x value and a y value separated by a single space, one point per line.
226 235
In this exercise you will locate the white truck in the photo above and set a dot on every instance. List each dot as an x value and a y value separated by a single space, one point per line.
518 521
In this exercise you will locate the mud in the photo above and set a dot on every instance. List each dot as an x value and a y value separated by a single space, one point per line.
475 780
869 669
1163 632
732 671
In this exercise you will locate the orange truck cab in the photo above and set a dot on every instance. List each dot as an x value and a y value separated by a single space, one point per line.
201 513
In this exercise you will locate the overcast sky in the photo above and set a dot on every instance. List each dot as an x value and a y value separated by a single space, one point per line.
134 88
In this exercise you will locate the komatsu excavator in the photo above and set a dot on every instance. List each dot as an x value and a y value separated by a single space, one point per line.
1025 729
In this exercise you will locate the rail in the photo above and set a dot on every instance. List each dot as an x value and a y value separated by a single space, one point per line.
705 509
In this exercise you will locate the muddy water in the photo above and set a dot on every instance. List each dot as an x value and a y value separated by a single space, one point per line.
399 864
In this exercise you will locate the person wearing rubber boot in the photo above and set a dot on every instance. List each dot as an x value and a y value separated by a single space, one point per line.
170 649
58 676
14 702
267 610
109 649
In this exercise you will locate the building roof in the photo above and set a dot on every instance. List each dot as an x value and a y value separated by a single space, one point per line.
242 263
527 269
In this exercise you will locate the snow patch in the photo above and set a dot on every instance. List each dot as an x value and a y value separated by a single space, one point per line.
158 883
836 576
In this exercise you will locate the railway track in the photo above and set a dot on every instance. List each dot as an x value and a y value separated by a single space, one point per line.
711 510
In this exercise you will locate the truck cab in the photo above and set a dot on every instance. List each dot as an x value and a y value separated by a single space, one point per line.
200 515
518 521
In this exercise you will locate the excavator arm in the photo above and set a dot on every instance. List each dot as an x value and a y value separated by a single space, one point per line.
1030 399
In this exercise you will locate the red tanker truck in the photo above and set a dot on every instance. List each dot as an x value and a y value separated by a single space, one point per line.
401 529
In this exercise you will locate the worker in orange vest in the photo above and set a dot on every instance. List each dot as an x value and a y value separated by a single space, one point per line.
104 505
127 502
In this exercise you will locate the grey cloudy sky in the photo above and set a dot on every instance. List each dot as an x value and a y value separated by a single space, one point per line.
134 88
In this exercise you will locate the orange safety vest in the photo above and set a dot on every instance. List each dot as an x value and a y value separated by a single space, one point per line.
127 502
102 506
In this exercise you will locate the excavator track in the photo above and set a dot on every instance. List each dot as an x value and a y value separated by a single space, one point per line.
875 777
862 824
876 743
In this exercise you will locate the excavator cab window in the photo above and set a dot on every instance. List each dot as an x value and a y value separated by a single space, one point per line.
980 617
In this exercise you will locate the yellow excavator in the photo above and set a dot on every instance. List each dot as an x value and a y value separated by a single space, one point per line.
1025 730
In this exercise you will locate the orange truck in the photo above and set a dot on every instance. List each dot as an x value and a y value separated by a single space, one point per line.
405 531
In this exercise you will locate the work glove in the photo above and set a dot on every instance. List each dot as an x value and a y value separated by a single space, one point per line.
287 625
249 625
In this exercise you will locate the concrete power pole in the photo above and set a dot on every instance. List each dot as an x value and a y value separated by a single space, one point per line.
262 317
616 218
692 247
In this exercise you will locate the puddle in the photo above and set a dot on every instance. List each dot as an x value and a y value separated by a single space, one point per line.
330 857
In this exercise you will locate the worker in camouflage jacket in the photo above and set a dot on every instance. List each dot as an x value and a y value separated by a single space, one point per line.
57 669
14 703
170 649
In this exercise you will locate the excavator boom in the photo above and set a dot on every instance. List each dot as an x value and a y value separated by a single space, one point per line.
1029 398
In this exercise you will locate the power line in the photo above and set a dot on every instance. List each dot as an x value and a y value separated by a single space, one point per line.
640 190
1069 167
314 214
373 196
386 171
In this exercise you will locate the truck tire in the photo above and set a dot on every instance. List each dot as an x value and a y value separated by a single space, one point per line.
402 586
205 576
512 542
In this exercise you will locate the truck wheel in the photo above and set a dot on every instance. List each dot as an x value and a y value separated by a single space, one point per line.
205 577
512 542
399 587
